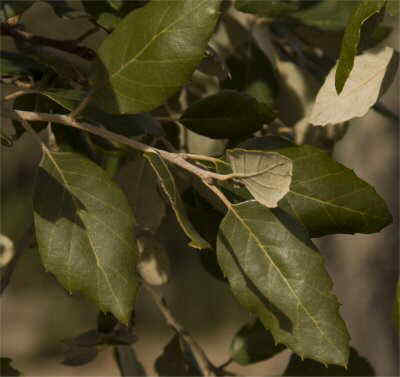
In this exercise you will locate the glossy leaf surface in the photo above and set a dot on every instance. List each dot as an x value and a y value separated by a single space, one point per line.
227 114
357 366
84 229
351 39
140 71
267 175
169 187
275 272
253 343
373 71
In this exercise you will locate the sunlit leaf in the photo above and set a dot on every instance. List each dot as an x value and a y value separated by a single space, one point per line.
267 175
84 230
357 366
276 272
325 196
372 74
253 343
351 39
139 71
227 114
167 182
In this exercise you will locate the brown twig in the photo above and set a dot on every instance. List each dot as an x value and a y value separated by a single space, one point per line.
70 45
174 158
206 367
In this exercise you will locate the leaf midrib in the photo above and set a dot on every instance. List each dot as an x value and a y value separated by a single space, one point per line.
232 209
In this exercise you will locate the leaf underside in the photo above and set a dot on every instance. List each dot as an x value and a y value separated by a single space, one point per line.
269 174
275 272
84 229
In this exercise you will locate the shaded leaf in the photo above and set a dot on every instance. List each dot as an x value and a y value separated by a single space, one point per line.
62 9
6 369
267 175
357 366
372 74
11 8
15 64
253 73
84 230
253 343
227 114
155 63
109 13
351 39
325 196
173 361
320 14
167 183
127 125
77 356
276 272
268 8
127 362
140 183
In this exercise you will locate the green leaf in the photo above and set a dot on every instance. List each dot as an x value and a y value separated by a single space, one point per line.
253 343
15 64
357 366
13 8
267 175
320 14
351 39
326 197
167 182
393 7
138 179
268 8
84 229
109 13
253 73
227 114
6 369
276 272
137 72
62 9
371 76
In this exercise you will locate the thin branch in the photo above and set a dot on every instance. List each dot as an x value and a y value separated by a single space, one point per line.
206 367
71 45
174 158
16 94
